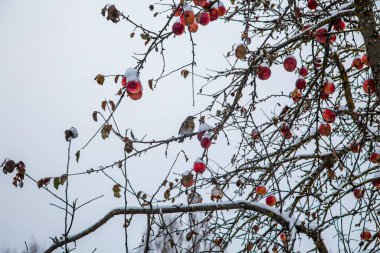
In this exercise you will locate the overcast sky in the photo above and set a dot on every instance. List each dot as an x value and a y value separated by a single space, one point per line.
50 51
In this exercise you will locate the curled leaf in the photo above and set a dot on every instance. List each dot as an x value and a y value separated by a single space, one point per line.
113 14
104 104
150 82
99 79
77 155
184 73
106 130
113 106
128 147
57 182
95 116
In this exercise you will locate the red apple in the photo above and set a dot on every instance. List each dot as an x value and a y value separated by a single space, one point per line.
328 115
329 87
261 190
214 13
263 72
303 71
375 157
178 28
193 28
355 147
369 86
206 141
312 4
290 63
204 18
200 2
135 96
188 15
296 95
359 193
301 83
199 167
365 60
376 182
177 11
124 81
325 129
270 200
324 96
357 63
200 135
339 25
332 38
321 35
283 237
365 235
133 86
221 9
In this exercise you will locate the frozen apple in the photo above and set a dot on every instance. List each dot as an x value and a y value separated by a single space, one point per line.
357 63
359 193
214 12
365 235
312 4
375 157
193 28
325 129
355 147
216 194
321 35
178 28
328 115
200 2
221 9
324 96
204 18
301 83
303 71
188 15
365 60
206 141
369 86
133 86
263 72
194 198
290 63
283 237
329 87
135 96
199 166
270 200
339 25
261 190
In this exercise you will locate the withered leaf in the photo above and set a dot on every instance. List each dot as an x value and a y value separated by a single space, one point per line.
167 194
113 106
155 14
95 116
132 35
145 36
77 155
150 82
63 179
99 79
113 14
57 182
128 147
104 104
184 73
151 7
106 131
116 78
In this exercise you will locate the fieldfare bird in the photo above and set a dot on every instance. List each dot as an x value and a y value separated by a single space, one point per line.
187 127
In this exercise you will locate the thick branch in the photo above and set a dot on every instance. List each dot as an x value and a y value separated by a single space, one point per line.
271 212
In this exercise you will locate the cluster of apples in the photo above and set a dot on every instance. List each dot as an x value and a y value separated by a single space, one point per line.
132 84
329 117
203 135
211 12
269 200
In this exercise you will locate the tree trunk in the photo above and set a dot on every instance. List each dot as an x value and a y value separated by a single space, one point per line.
367 25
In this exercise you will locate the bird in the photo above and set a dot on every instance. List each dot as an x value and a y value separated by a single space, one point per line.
187 127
